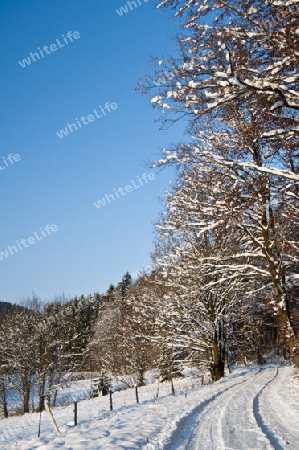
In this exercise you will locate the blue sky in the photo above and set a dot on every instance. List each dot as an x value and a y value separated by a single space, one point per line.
56 181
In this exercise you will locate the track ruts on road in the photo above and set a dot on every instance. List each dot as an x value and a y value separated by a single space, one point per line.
229 419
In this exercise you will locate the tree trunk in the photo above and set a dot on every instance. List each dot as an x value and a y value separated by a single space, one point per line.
260 359
26 401
41 394
141 377
227 346
288 334
296 359
278 277
216 373
218 354
221 347
4 403
54 398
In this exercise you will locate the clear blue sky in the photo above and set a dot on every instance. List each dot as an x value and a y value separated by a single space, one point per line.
58 180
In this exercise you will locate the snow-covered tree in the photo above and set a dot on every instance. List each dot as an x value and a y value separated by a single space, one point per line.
236 81
201 291
244 53
41 344
136 329
18 352
119 346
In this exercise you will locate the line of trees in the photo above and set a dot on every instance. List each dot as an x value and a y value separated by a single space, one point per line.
168 321
40 345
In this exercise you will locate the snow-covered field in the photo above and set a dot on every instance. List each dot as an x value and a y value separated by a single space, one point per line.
253 408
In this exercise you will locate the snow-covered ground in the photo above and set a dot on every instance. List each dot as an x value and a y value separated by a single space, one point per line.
252 408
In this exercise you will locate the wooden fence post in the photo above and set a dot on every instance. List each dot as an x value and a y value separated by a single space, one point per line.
111 403
42 401
158 388
75 413
51 417
172 388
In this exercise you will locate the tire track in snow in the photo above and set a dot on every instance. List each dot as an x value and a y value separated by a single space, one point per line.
178 440
279 406
230 424
259 419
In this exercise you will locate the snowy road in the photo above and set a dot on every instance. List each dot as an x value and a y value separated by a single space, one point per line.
254 414
252 408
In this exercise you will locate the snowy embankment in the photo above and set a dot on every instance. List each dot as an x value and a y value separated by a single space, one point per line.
251 408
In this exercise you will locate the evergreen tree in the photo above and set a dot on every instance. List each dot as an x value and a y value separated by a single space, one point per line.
125 283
